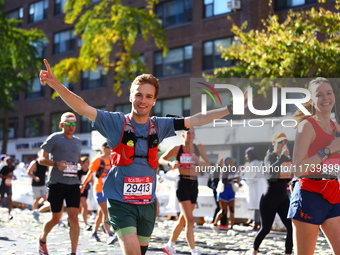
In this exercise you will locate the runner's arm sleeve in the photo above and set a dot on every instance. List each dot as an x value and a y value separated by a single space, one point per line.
179 124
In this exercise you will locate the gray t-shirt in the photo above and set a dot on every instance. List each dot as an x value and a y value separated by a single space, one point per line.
62 148
125 181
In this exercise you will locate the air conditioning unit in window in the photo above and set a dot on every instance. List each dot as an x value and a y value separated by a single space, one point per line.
234 4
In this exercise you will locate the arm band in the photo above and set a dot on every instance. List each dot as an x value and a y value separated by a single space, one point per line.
179 124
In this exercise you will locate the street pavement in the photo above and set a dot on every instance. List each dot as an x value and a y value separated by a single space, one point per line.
20 235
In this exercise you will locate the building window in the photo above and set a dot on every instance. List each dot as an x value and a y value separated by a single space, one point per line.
174 12
55 120
41 48
176 106
12 127
64 41
177 61
66 84
212 53
36 90
86 124
34 126
124 108
286 4
59 6
93 80
38 11
16 14
215 7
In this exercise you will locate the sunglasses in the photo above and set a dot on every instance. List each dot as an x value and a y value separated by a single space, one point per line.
283 142
68 124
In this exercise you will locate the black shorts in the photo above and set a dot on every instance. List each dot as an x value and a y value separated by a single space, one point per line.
58 192
187 189
85 193
5 190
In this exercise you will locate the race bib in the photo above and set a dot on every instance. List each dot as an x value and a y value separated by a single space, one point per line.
71 170
187 160
137 190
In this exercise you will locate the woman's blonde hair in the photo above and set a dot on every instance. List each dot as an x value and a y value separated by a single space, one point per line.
299 115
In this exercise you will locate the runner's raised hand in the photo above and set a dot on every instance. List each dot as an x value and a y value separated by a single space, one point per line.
47 76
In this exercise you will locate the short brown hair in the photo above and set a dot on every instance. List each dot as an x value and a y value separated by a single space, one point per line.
146 79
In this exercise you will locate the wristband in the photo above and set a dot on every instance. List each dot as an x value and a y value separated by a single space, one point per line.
55 164
322 155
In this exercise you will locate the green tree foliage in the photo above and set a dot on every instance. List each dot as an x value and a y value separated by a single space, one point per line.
108 31
305 44
19 63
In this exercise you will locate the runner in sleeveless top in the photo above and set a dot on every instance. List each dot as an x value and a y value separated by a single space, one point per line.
6 177
226 198
84 163
38 174
134 138
315 199
187 156
275 199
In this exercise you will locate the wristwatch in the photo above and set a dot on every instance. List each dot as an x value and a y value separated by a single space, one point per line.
324 153
327 151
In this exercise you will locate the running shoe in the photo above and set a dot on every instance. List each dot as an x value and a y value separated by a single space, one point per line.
95 236
103 228
222 226
195 253
10 217
88 227
213 226
112 239
168 249
42 248
36 215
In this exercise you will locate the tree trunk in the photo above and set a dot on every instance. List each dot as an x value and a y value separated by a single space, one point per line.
5 134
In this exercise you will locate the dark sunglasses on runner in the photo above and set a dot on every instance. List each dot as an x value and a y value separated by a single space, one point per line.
73 124
283 142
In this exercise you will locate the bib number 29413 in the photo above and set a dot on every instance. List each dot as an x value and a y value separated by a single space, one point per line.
137 190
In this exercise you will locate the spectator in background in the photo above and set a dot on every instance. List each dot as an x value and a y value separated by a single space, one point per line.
38 174
254 184
275 199
6 175
20 170
82 172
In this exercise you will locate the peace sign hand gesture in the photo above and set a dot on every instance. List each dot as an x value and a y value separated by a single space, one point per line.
47 76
